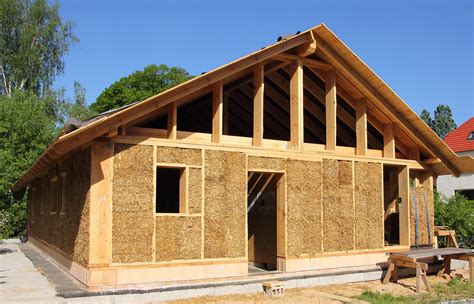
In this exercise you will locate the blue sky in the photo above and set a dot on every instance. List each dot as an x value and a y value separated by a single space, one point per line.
423 49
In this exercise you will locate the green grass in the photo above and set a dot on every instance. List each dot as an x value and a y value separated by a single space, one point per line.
456 289
383 298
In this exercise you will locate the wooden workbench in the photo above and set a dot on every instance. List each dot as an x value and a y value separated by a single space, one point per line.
419 260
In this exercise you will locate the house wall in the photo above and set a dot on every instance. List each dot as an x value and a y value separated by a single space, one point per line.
64 231
449 184
332 205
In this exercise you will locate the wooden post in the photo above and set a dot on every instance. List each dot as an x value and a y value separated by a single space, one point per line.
296 105
281 223
217 100
100 213
361 127
172 120
331 106
258 100
388 141
404 211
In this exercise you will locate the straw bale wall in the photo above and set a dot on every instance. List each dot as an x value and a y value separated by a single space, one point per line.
425 189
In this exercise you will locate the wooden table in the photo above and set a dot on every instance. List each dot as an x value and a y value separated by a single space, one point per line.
419 260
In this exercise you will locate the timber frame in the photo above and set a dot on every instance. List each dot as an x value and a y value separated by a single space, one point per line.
306 99
393 116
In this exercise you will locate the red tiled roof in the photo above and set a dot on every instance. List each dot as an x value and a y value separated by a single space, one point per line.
457 139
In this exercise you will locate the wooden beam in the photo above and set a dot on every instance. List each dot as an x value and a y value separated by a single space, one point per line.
314 63
296 105
307 48
404 211
373 95
217 112
388 141
331 106
258 98
172 120
100 215
361 127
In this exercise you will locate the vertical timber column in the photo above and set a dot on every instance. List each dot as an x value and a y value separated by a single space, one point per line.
281 223
361 126
172 120
217 113
100 246
296 105
258 97
404 212
388 141
331 106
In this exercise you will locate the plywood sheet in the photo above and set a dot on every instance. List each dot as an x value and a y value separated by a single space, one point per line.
304 186
225 204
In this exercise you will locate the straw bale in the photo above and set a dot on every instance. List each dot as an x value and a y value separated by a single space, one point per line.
369 225
338 209
178 238
225 207
195 190
266 163
133 214
304 207
426 188
190 157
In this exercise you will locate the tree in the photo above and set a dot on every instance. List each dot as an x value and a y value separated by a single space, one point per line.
139 86
26 129
33 42
443 121
79 109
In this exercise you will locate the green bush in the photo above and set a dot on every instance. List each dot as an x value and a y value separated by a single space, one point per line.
457 213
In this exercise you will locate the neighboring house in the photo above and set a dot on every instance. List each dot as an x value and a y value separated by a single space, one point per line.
286 159
461 141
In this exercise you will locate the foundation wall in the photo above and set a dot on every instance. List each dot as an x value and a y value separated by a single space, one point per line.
423 191
65 230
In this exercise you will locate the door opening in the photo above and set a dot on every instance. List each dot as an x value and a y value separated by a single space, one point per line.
392 202
262 220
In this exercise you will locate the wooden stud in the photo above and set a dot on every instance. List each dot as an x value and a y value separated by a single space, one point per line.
258 101
281 220
172 120
404 211
331 115
388 141
471 269
217 112
100 240
361 127
296 106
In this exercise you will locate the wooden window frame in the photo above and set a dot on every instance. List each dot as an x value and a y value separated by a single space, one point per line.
183 189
